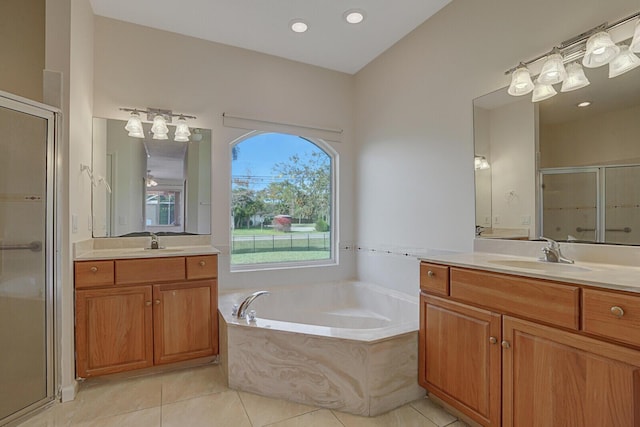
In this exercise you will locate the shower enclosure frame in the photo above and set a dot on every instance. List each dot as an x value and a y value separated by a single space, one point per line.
51 246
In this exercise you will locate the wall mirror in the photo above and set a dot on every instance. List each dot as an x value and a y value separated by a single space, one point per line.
558 170
159 186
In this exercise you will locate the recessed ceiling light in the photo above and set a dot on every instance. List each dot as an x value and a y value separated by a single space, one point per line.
298 26
354 16
584 104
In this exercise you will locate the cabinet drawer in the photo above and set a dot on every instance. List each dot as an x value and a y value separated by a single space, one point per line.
434 278
93 273
611 315
202 267
150 270
542 300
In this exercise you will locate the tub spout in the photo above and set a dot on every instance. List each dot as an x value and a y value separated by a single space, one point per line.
244 305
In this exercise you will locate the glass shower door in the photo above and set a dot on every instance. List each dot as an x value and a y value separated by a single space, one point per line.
26 275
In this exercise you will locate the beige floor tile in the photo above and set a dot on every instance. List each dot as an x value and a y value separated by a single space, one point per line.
458 424
117 397
188 383
404 416
263 410
319 418
144 418
58 415
433 411
213 410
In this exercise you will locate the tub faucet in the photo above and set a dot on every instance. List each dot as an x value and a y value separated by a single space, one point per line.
154 241
244 305
552 252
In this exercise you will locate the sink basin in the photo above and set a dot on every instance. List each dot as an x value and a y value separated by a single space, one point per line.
539 265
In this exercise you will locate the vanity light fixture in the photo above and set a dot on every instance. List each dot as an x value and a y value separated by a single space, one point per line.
354 16
575 78
594 47
134 126
150 181
160 118
623 62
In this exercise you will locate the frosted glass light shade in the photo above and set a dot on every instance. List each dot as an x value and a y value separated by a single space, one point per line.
521 83
623 62
159 128
575 78
182 131
542 92
134 126
553 70
635 42
600 50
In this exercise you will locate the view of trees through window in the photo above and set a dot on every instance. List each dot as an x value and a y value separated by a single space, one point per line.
281 200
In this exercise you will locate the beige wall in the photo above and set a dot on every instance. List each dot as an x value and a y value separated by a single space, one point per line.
611 139
140 67
414 120
22 47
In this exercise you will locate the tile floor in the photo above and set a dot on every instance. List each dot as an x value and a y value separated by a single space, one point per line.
198 396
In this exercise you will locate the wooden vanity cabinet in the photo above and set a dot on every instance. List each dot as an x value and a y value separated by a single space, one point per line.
495 350
136 313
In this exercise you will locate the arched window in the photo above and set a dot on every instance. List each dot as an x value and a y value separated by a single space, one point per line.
282 201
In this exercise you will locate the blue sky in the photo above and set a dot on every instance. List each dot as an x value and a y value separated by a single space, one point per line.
258 155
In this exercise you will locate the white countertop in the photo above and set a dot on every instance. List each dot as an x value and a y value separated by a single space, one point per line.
610 276
118 253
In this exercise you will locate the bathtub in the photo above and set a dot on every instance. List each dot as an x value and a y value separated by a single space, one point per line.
349 346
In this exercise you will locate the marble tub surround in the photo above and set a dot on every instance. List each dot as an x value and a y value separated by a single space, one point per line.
597 274
348 376
134 247
356 353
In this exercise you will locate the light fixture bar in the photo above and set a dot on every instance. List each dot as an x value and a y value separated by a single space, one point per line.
152 112
576 41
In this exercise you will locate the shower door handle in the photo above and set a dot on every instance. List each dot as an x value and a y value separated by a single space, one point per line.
34 246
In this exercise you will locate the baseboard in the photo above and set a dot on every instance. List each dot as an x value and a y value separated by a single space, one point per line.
68 392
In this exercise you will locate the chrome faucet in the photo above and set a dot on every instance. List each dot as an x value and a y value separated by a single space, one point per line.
154 241
552 252
244 305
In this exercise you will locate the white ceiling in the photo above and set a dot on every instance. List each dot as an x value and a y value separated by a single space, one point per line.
263 25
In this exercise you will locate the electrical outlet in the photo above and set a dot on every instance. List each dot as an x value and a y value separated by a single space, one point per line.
496 219
525 219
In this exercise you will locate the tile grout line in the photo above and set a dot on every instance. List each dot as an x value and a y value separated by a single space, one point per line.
336 417
244 408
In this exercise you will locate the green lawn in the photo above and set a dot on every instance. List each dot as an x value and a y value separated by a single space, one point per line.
263 232
289 256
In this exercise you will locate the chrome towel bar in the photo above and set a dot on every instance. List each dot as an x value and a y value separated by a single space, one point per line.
33 246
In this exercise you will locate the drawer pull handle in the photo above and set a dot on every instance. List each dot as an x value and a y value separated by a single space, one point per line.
430 273
505 344
202 263
147 303
94 269
617 311
157 302
493 340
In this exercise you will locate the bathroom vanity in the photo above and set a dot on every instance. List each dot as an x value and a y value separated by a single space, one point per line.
139 308
514 344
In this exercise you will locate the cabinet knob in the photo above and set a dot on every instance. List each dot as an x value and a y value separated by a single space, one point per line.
493 340
202 263
147 303
157 302
94 269
430 273
505 344
617 311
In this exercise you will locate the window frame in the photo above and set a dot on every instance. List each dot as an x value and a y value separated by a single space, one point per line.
333 259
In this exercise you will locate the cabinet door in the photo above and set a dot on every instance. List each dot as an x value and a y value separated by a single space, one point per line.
556 378
460 357
113 330
185 320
